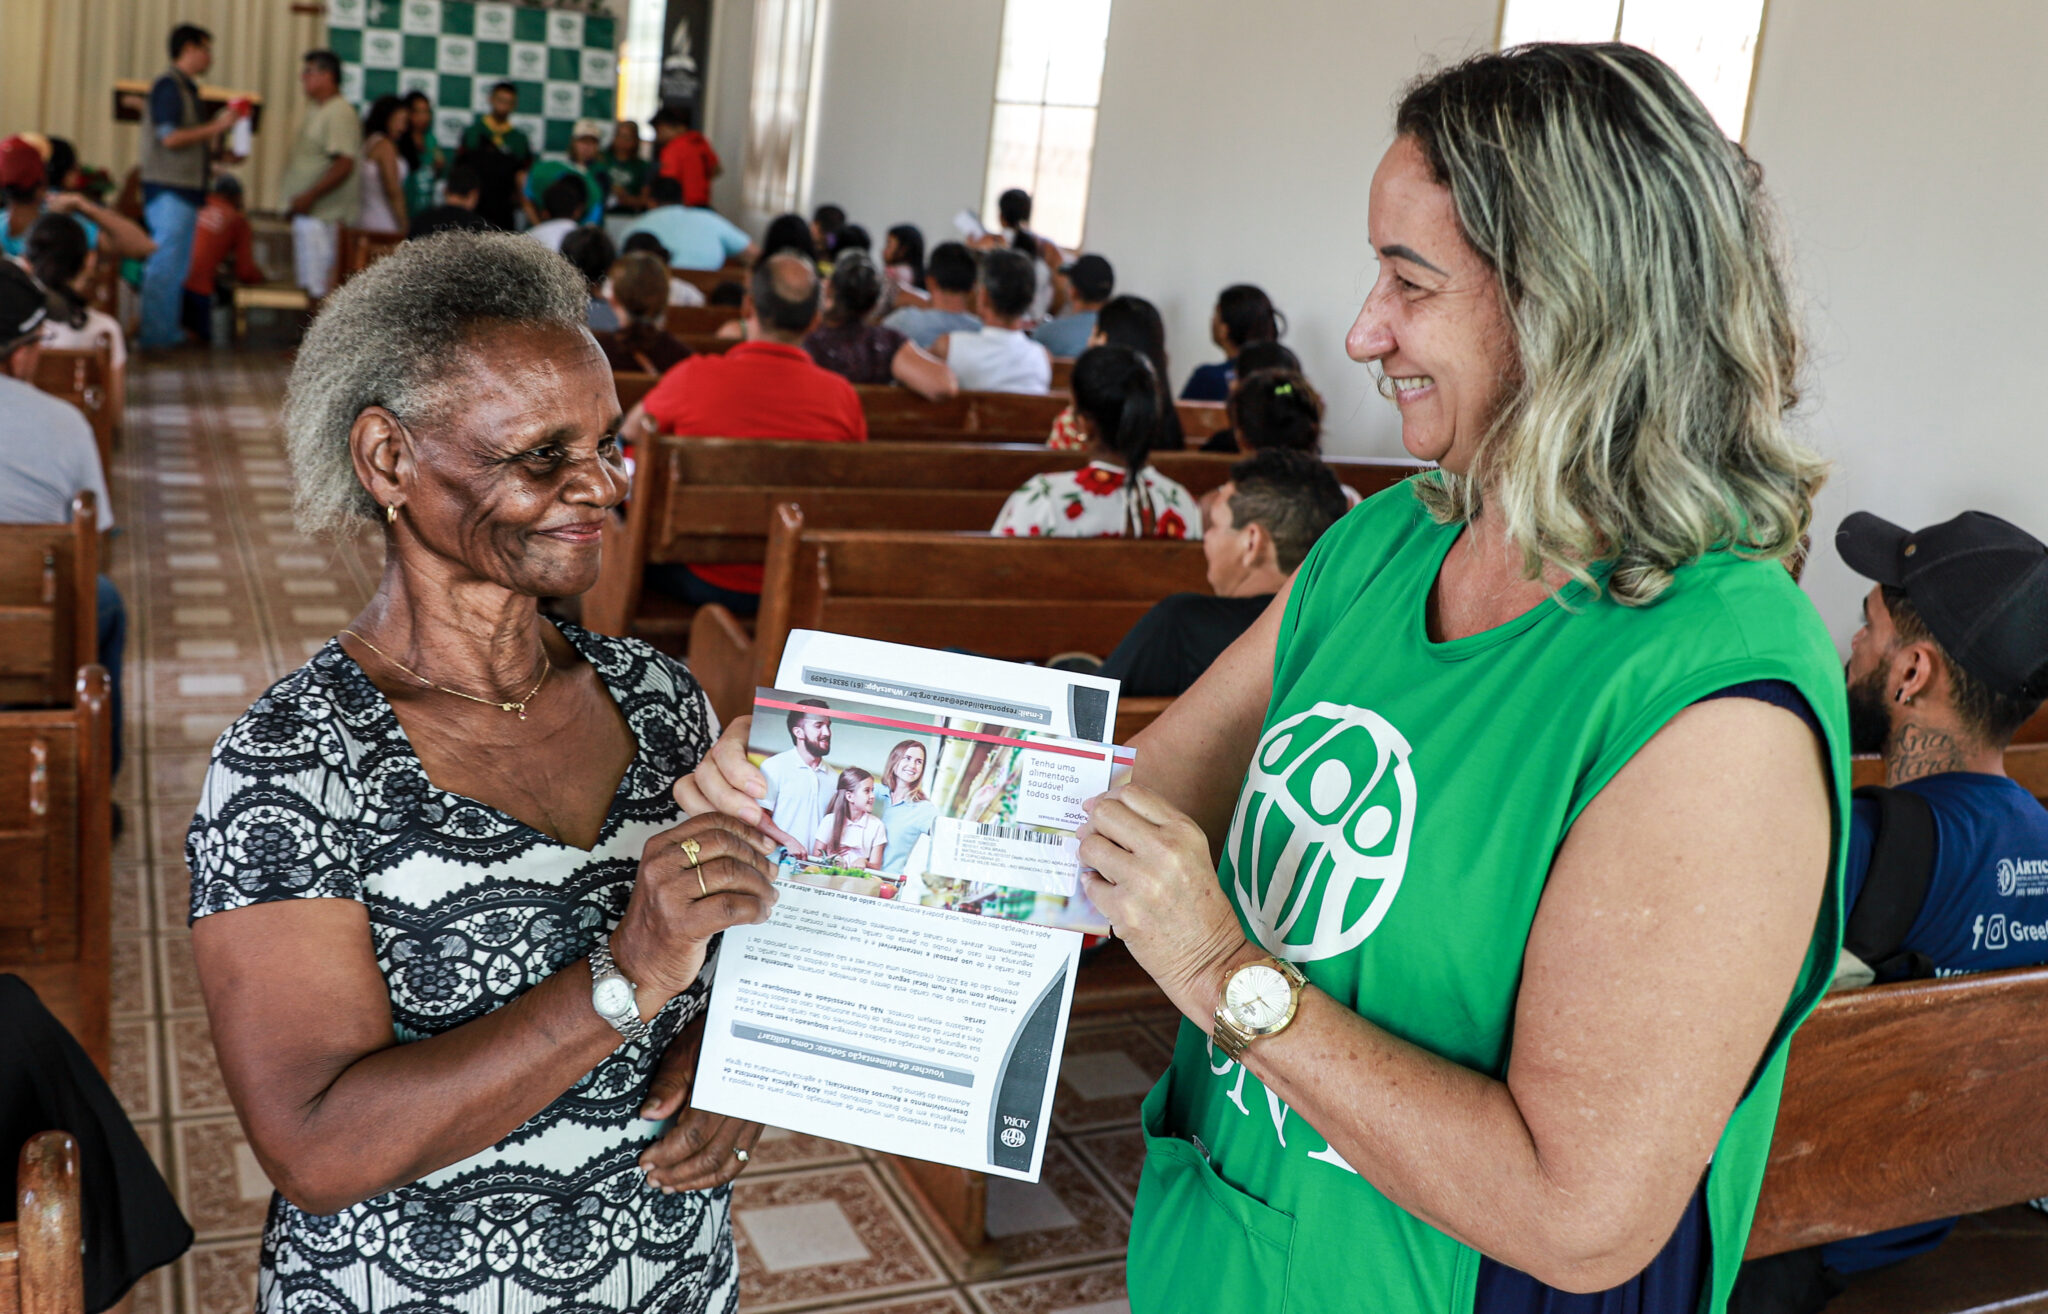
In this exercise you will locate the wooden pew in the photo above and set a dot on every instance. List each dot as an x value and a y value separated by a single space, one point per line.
56 850
900 415
1062 373
356 249
1017 599
707 280
1909 1102
710 500
41 1263
683 320
633 385
49 596
84 376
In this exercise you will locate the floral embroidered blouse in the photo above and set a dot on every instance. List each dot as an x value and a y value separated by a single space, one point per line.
1100 500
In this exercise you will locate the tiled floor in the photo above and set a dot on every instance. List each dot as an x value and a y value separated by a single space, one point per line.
224 597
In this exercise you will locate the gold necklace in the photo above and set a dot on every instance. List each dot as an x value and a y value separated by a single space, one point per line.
519 706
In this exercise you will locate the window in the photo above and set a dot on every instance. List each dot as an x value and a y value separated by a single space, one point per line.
640 62
1711 43
778 115
1042 137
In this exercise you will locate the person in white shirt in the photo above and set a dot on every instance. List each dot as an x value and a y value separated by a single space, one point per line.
565 199
850 834
800 785
1119 406
999 358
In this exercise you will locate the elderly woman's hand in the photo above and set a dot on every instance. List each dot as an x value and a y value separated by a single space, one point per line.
680 901
701 1151
1152 877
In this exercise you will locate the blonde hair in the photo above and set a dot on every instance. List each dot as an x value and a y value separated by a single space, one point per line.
1657 349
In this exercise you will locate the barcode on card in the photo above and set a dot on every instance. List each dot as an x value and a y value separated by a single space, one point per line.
995 830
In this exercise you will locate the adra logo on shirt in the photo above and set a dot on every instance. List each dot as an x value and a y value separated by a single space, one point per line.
1331 789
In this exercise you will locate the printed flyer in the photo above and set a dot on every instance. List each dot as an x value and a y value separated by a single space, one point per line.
911 991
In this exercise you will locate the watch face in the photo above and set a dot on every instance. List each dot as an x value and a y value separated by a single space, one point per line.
1258 997
613 997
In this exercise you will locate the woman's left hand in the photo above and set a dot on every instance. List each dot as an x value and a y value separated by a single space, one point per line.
1153 879
702 1150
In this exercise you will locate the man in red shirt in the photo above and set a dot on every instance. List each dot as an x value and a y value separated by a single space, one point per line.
766 387
221 233
686 154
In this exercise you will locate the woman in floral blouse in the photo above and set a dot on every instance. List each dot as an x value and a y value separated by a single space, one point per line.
1119 406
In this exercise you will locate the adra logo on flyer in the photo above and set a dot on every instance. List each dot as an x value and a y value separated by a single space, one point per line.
1319 842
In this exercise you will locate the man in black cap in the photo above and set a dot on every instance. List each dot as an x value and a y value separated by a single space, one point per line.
1090 282
48 456
1952 877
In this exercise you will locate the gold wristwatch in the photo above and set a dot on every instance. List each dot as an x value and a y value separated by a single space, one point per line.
1259 999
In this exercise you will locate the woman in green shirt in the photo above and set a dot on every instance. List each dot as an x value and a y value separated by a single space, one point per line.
1493 867
423 152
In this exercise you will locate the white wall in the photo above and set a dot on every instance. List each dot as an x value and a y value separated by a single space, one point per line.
904 94
1906 143
728 84
1237 145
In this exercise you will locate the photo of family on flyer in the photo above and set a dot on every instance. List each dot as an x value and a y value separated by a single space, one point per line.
945 812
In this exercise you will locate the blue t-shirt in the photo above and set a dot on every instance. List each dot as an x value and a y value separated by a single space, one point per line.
696 238
1210 383
1068 335
1986 909
906 823
16 247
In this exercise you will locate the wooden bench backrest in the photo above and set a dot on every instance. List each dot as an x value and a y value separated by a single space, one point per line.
707 280
84 376
42 1269
49 588
1909 1102
356 249
1020 599
633 385
55 851
1062 373
700 319
711 499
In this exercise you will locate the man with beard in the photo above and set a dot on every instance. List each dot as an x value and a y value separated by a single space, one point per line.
800 785
1951 878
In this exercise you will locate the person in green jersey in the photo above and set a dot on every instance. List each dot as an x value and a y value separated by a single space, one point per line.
585 138
625 170
1493 867
422 150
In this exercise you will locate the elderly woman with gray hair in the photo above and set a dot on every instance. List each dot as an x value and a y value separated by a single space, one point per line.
452 938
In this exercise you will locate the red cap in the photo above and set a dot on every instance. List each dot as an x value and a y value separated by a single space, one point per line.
21 164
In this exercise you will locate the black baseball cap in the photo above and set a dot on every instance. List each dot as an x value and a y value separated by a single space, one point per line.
24 305
1092 278
1980 584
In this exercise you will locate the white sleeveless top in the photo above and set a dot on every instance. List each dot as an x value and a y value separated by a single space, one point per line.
999 360
376 215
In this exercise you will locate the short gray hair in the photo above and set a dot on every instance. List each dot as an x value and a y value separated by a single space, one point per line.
394 337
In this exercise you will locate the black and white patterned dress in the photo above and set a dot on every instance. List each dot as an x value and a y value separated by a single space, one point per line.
315 793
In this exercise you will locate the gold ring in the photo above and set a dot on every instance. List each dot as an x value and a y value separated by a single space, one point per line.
700 881
690 850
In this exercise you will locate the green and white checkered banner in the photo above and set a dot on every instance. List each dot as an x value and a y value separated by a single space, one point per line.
564 62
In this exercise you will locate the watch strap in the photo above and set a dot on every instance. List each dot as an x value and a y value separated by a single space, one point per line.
601 967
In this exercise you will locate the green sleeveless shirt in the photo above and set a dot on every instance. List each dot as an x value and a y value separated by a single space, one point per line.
1393 837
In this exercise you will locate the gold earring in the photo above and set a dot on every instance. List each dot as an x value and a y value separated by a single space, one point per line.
391 514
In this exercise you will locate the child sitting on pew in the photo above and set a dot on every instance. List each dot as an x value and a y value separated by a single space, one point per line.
1120 407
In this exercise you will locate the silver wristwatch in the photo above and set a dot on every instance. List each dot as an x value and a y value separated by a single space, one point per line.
613 996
